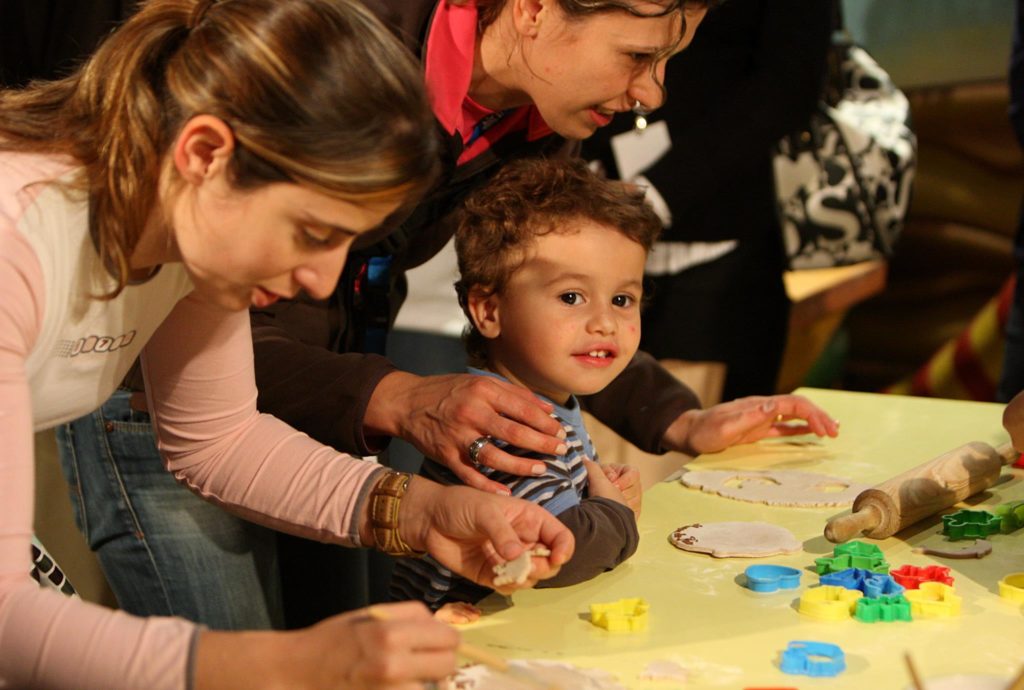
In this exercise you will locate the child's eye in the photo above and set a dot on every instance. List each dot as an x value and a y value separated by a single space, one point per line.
623 300
570 297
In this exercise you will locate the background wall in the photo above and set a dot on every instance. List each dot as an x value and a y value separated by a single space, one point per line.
927 42
951 58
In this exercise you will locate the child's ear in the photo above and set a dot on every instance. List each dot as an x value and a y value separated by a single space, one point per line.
483 309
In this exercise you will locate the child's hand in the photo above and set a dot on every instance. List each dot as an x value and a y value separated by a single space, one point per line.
747 420
601 486
1013 421
457 613
626 479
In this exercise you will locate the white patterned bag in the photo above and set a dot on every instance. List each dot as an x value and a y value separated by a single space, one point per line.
843 184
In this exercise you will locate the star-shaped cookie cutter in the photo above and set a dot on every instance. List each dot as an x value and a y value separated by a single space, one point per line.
624 615
853 554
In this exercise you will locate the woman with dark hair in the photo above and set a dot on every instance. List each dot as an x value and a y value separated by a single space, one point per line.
210 156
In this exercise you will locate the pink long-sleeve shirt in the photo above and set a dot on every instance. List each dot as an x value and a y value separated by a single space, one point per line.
62 353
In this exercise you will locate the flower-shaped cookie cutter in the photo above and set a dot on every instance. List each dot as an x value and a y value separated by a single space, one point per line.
853 554
624 615
911 576
884 609
871 584
934 600
970 524
829 603
771 578
1011 588
812 659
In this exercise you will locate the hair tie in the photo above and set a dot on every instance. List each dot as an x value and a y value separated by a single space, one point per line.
198 12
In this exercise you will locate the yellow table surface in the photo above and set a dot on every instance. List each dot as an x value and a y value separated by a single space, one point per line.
731 637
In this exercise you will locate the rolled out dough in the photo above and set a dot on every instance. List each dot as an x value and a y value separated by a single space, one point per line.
735 539
776 487
558 674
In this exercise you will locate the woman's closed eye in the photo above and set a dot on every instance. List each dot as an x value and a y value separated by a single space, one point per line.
319 237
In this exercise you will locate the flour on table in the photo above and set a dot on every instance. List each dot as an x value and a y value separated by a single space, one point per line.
735 539
557 674
776 487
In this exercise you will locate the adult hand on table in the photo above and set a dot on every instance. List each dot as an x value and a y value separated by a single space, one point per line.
746 420
388 646
443 415
469 531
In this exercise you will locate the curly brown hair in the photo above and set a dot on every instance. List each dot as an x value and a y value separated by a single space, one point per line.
529 198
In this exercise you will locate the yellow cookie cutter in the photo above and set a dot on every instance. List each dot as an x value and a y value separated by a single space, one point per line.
1011 587
624 615
934 600
829 602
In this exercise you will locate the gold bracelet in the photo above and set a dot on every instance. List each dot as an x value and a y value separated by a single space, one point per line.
385 500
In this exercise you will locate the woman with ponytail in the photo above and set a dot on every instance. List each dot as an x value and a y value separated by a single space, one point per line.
208 157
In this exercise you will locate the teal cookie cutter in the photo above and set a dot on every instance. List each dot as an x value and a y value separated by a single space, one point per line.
771 578
812 659
970 524
882 609
853 554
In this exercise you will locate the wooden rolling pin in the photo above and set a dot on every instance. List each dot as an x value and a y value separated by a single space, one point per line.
922 491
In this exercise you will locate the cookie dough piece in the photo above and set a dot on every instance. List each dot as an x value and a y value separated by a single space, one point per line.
735 539
518 569
557 674
776 487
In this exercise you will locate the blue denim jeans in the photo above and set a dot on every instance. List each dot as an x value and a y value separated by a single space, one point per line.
164 550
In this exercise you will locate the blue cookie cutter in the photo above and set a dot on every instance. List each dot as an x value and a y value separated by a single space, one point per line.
812 659
771 578
873 585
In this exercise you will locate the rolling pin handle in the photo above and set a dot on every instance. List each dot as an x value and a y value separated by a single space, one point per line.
846 527
1008 454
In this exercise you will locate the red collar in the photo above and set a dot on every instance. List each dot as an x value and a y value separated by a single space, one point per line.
451 46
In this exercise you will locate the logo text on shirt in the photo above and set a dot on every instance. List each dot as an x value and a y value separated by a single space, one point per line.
93 343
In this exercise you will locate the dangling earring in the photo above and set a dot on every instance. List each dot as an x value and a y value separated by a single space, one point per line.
640 123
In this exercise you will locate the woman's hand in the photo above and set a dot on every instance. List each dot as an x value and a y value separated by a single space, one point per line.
470 531
746 420
443 415
390 646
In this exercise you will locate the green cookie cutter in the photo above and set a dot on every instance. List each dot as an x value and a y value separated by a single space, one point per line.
853 554
882 609
1012 516
970 524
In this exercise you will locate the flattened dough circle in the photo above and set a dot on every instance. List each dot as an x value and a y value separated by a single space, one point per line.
558 674
735 539
776 487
